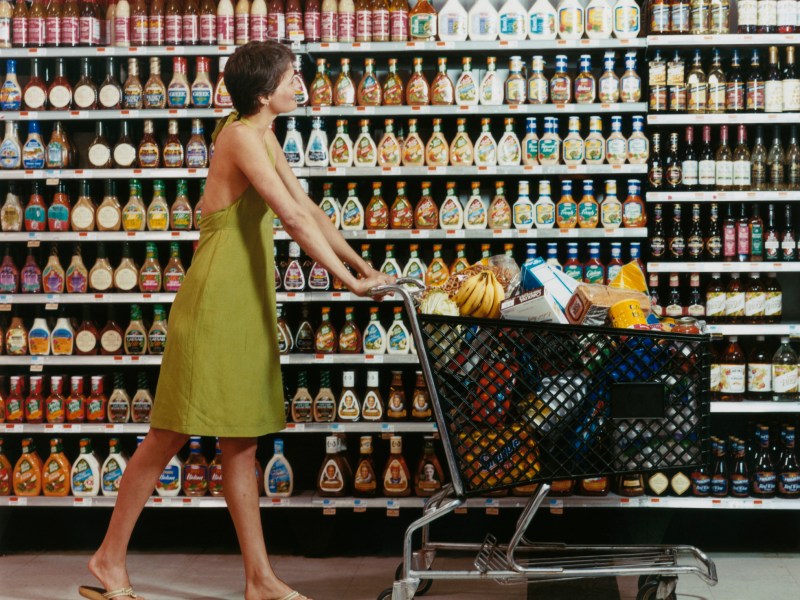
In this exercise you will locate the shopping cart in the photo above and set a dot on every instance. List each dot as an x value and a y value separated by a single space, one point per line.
522 403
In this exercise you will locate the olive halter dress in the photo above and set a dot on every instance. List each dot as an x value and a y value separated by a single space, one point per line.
221 373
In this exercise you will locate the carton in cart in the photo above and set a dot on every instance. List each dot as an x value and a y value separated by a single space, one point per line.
559 285
537 305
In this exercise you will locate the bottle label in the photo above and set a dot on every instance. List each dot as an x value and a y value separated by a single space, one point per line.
174 27
773 93
89 31
784 379
331 479
177 96
768 13
208 28
724 173
714 378
755 304
196 155
36 31
423 25
789 483
512 25
748 12
774 304
791 95
764 481
741 173
734 304
707 169
732 379
225 29
719 486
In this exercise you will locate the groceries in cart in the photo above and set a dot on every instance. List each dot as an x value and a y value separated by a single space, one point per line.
539 377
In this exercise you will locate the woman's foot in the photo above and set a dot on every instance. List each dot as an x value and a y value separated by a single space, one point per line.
112 576
274 589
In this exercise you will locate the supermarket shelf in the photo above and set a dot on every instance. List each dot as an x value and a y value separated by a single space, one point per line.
117 361
778 329
114 115
309 499
53 175
755 406
101 236
505 109
470 46
56 299
365 234
167 298
724 267
103 51
476 171
723 196
731 39
726 118
140 428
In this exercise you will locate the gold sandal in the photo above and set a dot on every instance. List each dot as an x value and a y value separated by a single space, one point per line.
94 593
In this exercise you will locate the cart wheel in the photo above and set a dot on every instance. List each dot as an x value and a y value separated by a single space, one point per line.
424 584
385 595
649 590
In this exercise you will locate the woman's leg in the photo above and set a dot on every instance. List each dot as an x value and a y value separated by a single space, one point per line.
138 483
241 494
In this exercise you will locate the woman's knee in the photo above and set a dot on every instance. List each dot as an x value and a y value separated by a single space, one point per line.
168 441
238 446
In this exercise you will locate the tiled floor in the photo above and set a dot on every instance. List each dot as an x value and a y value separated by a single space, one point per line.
218 577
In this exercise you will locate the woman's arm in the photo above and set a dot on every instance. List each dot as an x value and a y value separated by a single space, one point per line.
245 148
343 250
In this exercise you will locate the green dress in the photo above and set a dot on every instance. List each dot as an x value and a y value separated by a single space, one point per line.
221 373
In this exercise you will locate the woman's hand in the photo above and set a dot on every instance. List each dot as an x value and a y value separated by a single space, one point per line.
374 279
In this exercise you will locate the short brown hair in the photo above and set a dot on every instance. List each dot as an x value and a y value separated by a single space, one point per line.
255 71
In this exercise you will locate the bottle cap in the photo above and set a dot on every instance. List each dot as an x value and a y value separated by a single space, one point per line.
331 444
278 446
349 379
372 379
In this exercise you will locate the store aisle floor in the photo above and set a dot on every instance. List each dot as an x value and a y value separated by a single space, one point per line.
217 577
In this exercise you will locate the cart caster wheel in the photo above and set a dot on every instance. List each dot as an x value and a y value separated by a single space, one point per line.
649 590
424 584
385 595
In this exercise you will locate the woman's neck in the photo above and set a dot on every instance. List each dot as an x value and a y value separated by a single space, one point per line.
262 120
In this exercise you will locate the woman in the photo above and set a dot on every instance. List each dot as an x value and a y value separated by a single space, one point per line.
221 371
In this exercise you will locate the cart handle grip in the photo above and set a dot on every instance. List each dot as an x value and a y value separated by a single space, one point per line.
400 287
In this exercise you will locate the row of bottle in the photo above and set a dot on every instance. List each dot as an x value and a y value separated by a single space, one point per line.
703 17
476 213
43 91
726 168
739 237
102 277
326 407
27 401
755 302
68 336
148 153
764 373
109 215
124 23
771 90
394 150
349 339
470 89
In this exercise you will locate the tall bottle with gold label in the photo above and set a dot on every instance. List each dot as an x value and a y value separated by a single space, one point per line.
134 214
158 211
393 90
344 92
321 93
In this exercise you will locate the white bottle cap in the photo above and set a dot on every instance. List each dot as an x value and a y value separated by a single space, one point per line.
331 444
349 379
372 379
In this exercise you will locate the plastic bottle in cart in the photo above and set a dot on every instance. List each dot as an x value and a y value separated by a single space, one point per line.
542 21
278 475
86 472
483 21
113 468
573 266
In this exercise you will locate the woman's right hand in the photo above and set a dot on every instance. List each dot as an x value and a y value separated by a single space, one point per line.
361 287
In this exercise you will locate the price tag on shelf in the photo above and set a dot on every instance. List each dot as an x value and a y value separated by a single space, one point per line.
51 181
159 501
387 428
359 506
370 110
88 173
390 171
392 508
5 307
187 502
376 233
51 306
279 502
82 502
328 508
489 170
35 243
37 364
503 233
461 510
17 501
12 428
323 358
373 358
492 507
556 506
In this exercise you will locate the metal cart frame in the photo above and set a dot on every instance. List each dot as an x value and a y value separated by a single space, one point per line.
521 560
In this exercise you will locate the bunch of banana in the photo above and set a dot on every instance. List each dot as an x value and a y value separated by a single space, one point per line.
480 296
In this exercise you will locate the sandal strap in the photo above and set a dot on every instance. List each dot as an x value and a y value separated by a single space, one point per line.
291 596
121 593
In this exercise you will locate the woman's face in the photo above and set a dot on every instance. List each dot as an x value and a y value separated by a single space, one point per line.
283 100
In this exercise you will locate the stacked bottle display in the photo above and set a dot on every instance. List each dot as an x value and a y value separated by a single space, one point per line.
76 208
137 23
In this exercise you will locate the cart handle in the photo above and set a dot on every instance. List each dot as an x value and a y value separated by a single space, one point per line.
399 287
